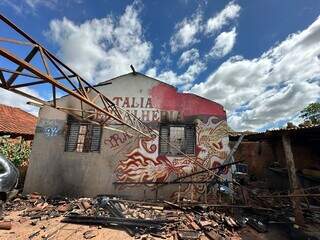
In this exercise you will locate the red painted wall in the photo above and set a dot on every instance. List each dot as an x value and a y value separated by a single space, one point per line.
166 97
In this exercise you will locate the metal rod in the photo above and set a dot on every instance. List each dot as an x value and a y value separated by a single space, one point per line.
292 195
10 40
25 65
18 73
20 67
28 84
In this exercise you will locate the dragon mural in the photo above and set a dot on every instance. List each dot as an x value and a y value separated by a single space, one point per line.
143 164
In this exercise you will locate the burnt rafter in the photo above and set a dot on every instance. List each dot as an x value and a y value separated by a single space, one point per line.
69 83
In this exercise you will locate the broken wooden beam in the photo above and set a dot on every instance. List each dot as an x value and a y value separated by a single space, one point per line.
293 180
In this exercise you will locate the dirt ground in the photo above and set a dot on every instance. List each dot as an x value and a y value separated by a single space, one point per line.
22 229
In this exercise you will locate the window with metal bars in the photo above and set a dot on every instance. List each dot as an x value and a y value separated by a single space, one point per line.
182 137
83 137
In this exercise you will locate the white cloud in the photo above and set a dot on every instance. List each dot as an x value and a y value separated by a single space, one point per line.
152 72
12 4
186 32
99 49
183 81
229 13
15 100
223 44
271 88
32 6
36 3
188 56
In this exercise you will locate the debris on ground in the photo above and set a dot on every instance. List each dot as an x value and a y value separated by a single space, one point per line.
147 220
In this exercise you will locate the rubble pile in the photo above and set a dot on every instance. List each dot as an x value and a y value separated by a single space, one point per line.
138 219
163 219
37 207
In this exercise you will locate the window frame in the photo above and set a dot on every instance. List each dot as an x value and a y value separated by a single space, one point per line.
184 125
87 137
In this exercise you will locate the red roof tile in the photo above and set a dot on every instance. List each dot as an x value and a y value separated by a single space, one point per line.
14 120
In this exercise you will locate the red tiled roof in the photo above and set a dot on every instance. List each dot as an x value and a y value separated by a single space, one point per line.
14 120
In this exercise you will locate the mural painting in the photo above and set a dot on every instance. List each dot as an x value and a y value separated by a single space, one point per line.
143 164
117 139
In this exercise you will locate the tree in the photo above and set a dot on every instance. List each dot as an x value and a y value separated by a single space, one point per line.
312 113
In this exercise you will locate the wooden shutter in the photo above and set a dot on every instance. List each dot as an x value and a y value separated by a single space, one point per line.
72 137
190 140
164 138
95 138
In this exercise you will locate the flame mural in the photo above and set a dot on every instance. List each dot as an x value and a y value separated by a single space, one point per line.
143 164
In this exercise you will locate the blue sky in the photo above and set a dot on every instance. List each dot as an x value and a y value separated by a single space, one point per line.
257 58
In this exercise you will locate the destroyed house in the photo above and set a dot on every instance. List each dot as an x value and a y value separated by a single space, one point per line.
73 157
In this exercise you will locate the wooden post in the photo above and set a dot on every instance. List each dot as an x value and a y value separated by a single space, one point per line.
293 180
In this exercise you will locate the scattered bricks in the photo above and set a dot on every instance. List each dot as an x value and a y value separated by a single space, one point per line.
205 223
85 204
34 196
193 224
230 222
34 200
90 211
5 225
34 209
188 234
235 238
64 208
214 235
42 206
141 215
215 216
214 223
135 214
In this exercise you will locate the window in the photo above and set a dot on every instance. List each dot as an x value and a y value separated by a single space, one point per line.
181 136
83 137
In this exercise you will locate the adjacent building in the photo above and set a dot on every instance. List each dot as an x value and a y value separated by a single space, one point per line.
16 123
78 158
